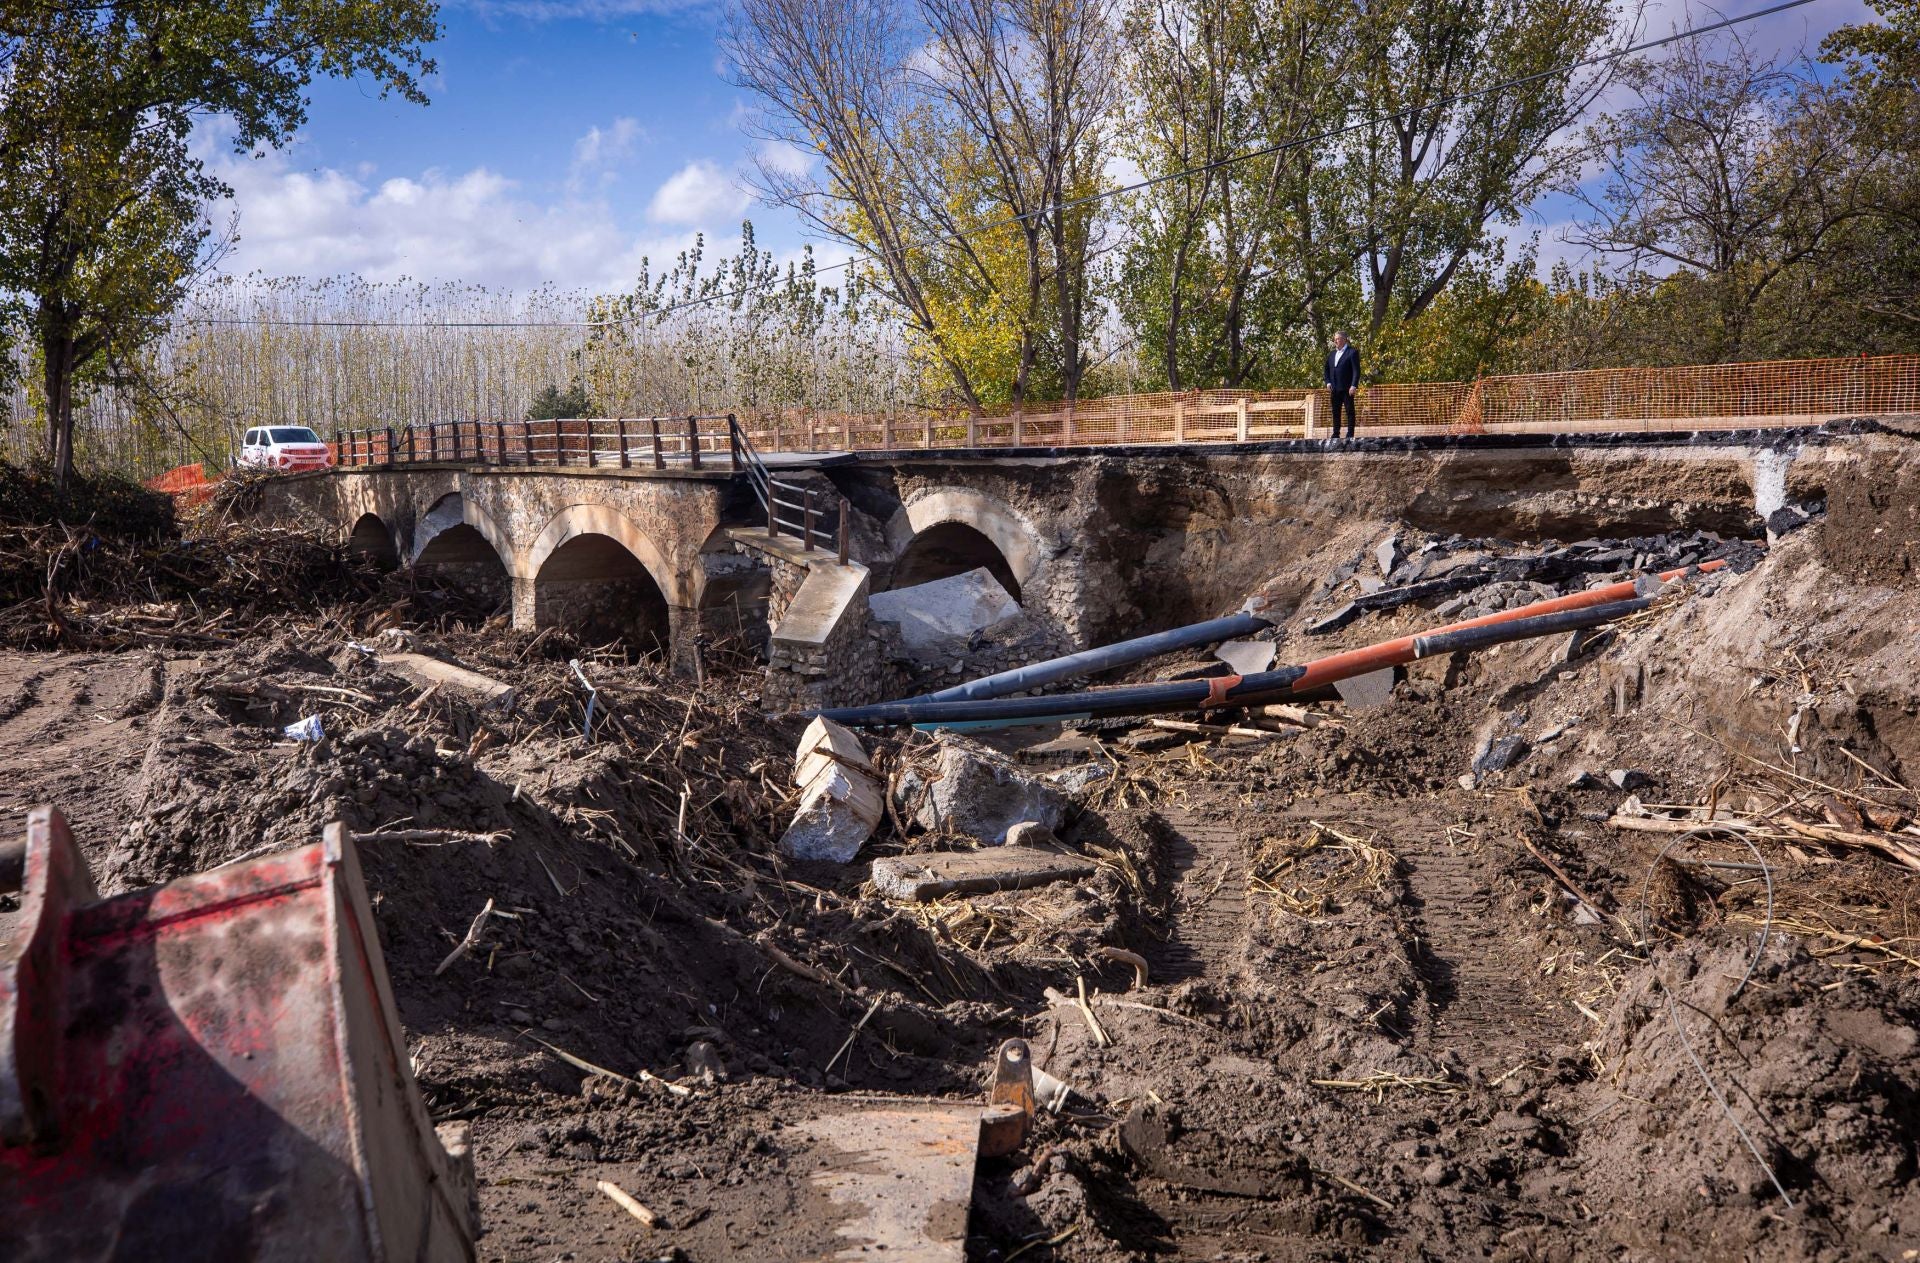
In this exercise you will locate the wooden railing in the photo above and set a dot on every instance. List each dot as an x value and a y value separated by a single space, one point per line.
1761 395
1609 400
1199 417
802 510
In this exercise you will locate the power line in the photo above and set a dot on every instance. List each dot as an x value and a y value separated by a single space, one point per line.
400 324
1137 186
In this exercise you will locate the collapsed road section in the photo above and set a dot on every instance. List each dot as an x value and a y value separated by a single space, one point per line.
1465 934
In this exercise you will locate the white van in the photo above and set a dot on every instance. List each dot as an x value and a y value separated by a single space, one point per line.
284 447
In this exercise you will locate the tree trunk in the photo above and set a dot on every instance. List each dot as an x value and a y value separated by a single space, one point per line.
57 356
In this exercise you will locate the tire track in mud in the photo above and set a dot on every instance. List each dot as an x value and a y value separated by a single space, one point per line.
1208 923
69 736
1480 984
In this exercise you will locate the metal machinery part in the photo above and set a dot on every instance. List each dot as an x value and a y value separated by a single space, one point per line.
1009 1114
213 1069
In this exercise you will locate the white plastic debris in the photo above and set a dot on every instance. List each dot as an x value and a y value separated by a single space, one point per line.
308 729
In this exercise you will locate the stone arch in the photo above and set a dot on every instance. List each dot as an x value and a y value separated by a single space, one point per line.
373 539
454 556
454 510
599 519
459 547
956 529
595 587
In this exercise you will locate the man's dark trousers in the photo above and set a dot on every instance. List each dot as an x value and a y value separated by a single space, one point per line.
1342 399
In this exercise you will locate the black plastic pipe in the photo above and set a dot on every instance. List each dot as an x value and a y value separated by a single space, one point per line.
1261 687
1468 639
1087 661
1128 699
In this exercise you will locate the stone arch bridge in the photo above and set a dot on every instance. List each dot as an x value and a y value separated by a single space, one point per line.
1094 544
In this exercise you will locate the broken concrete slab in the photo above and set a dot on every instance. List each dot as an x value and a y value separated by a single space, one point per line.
1246 657
1364 692
931 876
1076 780
978 792
945 609
1067 748
1148 740
1387 555
1335 621
429 672
824 744
837 814
841 801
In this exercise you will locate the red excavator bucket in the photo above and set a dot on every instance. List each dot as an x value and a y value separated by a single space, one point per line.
212 1069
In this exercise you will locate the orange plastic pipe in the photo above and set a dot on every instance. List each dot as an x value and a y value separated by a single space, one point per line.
1392 653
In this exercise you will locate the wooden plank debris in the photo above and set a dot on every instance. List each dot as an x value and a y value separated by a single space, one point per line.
930 876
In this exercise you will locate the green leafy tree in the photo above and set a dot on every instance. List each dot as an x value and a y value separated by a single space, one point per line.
102 200
1386 148
1877 259
1732 169
550 403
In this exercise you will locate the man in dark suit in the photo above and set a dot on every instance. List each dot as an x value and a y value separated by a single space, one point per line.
1343 380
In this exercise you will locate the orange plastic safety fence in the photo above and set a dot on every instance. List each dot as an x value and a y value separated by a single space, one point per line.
187 484
1696 397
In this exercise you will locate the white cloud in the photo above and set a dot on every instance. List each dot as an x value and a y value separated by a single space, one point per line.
475 226
783 158
599 153
696 193
602 148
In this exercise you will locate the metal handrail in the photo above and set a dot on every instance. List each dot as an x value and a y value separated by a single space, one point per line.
765 486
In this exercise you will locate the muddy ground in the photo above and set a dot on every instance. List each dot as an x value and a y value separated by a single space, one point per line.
1395 1007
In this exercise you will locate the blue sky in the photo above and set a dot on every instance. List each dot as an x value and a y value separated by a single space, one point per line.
566 140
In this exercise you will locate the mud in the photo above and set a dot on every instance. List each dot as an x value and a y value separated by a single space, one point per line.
1395 1007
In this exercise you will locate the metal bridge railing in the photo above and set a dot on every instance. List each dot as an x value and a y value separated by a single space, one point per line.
695 442
817 517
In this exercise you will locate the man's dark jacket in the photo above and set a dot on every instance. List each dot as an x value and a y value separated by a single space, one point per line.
1343 373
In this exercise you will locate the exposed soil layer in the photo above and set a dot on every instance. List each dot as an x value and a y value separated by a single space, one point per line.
1403 1000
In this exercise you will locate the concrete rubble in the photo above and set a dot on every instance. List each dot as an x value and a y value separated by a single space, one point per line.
946 609
977 792
1480 577
841 801
1364 692
1246 656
